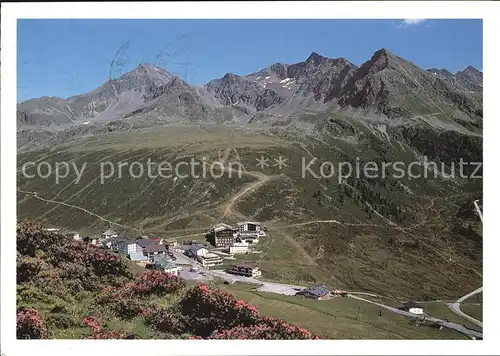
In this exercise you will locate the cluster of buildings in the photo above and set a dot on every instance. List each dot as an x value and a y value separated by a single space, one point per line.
200 253
230 239
152 252
156 252
236 239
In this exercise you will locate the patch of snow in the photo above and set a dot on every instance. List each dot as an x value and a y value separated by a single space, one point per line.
285 80
267 77
258 77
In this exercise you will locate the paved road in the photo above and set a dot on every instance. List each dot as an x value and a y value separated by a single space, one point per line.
194 276
448 324
455 307
289 289
264 286
182 259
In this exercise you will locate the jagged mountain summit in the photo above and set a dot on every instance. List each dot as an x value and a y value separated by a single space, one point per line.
386 86
112 99
317 78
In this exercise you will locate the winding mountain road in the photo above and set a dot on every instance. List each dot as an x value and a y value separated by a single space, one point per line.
448 324
455 307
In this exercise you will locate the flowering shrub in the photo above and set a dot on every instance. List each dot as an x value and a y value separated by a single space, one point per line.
165 320
283 330
107 264
62 272
92 323
27 268
32 238
30 325
99 333
263 332
121 302
265 329
78 276
215 310
158 283
62 321
101 262
73 251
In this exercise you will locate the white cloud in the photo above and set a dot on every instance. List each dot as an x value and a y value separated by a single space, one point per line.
410 22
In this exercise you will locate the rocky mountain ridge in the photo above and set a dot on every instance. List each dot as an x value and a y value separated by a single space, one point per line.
386 85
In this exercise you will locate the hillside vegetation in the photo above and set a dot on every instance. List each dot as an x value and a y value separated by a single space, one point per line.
413 235
71 290
409 238
68 289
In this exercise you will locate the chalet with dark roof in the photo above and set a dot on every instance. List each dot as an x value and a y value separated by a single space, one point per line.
315 292
152 250
245 269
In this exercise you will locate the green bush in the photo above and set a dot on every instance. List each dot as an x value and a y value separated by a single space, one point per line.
61 321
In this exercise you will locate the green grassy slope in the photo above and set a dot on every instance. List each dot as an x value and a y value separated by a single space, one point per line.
408 238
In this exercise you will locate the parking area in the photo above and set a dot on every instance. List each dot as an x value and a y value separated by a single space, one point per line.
196 276
278 288
205 275
182 259
283 289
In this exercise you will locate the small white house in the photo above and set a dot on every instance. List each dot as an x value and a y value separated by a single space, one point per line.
414 308
172 269
239 248
197 250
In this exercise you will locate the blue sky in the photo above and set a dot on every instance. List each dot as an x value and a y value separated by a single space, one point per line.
67 57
